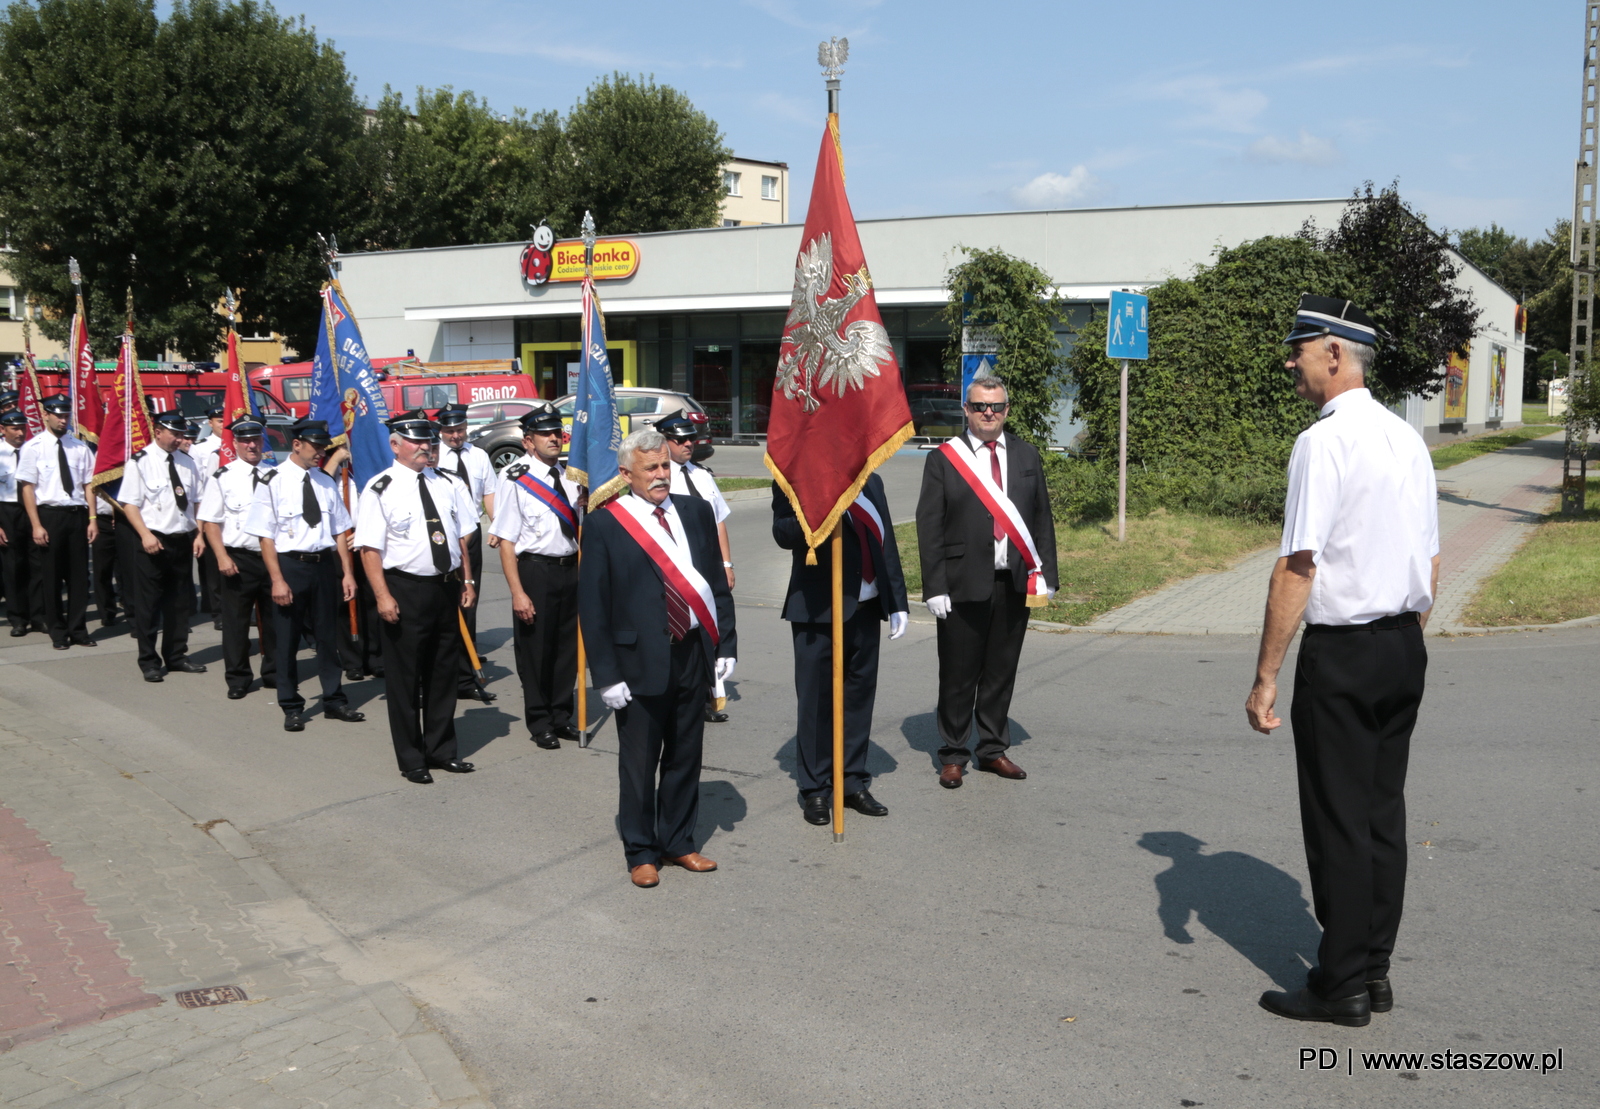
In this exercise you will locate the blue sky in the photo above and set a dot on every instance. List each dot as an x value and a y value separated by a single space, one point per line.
972 107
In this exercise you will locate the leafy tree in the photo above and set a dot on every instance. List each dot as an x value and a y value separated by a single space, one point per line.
639 156
1401 272
213 145
1021 300
453 171
1539 275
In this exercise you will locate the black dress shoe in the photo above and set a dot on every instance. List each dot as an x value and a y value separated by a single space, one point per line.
60 644
866 804
548 741
269 683
715 717
473 693
376 671
1381 995
217 623
568 732
237 694
455 766
83 641
354 674
184 666
339 712
818 810
293 722
421 777
18 633
152 675
1302 1004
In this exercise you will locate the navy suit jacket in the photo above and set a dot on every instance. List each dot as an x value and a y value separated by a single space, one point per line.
622 600
810 598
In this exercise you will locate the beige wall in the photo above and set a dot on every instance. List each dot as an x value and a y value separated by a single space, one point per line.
12 306
749 207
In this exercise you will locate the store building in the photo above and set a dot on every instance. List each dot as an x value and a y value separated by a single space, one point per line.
703 311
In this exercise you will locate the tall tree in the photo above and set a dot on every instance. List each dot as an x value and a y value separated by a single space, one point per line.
213 145
641 157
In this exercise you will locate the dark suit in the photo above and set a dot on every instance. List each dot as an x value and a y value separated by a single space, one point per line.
809 609
623 610
981 640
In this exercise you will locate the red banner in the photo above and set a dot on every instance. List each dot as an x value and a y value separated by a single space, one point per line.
127 429
234 402
28 397
838 405
88 409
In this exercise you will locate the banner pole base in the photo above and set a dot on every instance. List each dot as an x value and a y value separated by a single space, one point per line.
838 837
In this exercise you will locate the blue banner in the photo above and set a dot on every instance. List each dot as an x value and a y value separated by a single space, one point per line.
596 434
345 393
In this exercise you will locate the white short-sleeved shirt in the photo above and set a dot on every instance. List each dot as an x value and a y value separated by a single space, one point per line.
37 462
204 454
1363 500
8 473
277 512
227 501
689 479
474 462
147 486
523 520
393 522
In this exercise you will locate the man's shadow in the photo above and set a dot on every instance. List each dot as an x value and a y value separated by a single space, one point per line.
1252 906
722 806
879 761
922 734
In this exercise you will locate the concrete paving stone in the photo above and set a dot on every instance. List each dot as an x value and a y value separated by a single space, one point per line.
88 1071
17 1080
58 1093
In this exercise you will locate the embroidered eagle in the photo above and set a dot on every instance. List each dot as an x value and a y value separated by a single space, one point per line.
817 353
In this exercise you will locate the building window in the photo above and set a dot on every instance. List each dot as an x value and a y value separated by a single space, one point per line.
769 187
11 304
730 223
730 182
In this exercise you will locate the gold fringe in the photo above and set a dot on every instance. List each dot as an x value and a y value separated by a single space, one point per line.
838 144
1033 600
814 539
579 477
609 491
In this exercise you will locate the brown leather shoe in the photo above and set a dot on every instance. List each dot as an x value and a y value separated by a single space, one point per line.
693 861
1003 767
645 875
950 775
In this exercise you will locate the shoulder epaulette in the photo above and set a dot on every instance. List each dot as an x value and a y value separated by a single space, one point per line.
139 454
268 476
221 470
514 472
379 484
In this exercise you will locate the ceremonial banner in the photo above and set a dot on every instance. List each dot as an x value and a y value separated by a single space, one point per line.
344 390
838 405
127 429
88 408
596 434
28 397
234 401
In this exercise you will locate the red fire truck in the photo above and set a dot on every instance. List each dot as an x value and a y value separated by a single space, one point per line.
405 382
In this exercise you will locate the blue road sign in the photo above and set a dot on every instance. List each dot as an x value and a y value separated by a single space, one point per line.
1128 329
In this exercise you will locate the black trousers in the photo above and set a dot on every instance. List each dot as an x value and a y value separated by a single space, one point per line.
62 565
421 654
475 557
547 649
16 566
317 604
662 735
165 592
129 555
1356 695
979 645
245 593
107 574
813 689
361 650
210 583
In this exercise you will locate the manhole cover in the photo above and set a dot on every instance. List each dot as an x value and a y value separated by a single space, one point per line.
213 995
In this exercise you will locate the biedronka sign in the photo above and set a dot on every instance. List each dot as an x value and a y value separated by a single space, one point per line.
563 261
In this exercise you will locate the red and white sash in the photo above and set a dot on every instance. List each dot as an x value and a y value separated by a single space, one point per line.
1005 513
637 516
865 511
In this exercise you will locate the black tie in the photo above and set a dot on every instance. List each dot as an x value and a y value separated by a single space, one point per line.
555 482
461 470
66 470
309 508
179 497
689 481
436 536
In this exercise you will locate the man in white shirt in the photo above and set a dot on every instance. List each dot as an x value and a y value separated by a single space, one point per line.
15 532
538 512
470 465
304 530
204 452
159 487
1359 565
53 472
246 587
412 535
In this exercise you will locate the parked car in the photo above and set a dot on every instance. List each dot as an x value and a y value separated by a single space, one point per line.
636 408
937 416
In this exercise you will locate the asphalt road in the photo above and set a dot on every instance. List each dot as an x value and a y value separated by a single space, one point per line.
1146 881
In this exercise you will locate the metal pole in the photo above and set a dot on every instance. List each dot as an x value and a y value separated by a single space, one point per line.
583 683
836 552
1122 459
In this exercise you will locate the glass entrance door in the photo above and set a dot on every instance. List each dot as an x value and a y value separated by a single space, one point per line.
711 383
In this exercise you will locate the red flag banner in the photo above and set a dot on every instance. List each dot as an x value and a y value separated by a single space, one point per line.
28 397
88 409
838 405
127 429
234 403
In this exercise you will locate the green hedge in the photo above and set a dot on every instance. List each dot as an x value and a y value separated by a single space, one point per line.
1085 489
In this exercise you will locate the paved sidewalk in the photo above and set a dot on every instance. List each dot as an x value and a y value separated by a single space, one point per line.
116 894
1488 507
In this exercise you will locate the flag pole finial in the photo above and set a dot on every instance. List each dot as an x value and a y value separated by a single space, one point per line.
74 274
227 296
587 228
831 56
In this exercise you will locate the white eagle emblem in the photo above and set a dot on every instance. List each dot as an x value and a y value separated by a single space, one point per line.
816 352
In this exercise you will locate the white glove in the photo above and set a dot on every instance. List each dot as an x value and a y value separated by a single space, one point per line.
725 668
898 622
939 606
616 696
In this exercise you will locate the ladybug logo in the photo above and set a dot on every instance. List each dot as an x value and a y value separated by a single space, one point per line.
536 256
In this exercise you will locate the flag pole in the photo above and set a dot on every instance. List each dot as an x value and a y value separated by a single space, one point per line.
836 552
330 254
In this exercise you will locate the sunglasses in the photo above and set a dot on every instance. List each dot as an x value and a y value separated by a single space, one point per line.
996 406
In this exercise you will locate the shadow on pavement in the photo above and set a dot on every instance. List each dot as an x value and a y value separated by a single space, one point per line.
721 806
922 733
477 728
1250 905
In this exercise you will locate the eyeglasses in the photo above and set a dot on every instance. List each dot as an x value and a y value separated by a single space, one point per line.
998 407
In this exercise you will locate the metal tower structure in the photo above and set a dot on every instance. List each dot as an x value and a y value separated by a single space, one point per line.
1575 466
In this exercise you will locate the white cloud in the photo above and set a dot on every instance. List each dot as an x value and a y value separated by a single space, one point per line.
1053 190
1307 150
1216 103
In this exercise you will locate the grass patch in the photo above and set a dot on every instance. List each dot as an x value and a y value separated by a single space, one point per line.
729 484
1453 454
1535 413
1554 577
1099 574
